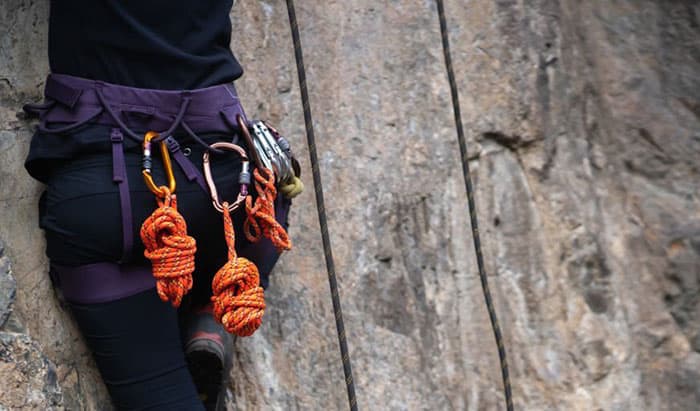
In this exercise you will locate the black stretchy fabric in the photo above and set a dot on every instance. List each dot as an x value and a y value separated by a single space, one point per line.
157 44
136 344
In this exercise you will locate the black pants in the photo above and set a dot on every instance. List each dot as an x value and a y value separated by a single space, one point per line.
136 340
136 344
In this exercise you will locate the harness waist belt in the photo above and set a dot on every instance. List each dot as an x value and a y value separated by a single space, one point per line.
77 101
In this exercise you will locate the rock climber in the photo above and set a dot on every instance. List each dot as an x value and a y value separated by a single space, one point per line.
119 69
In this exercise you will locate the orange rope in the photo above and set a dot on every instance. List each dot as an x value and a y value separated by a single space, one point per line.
239 301
170 249
261 217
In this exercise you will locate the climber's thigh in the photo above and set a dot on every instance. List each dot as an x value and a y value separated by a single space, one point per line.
136 344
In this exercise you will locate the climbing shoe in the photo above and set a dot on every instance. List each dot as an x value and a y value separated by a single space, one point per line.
208 350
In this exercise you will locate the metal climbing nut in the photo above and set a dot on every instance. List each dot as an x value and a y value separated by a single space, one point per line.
210 180
148 162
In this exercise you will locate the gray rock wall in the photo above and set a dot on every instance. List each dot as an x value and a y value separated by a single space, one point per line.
583 121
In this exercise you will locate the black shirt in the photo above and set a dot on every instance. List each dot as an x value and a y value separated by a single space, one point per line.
157 44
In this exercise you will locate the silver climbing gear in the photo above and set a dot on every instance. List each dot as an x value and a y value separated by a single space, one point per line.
271 154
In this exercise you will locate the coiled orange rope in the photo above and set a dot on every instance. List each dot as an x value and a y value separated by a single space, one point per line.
261 217
239 301
170 249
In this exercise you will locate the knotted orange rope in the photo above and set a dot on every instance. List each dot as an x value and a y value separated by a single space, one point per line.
170 249
261 217
239 301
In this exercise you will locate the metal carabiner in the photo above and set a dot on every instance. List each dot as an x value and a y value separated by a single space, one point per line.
244 178
147 163
271 152
245 133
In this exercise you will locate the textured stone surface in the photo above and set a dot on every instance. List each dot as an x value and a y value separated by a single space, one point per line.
29 380
36 313
583 123
8 287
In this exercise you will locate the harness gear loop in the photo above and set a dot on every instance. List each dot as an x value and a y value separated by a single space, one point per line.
147 164
164 233
261 217
170 249
239 301
244 178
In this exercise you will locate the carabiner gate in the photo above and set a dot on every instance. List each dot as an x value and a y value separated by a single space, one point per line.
244 178
147 164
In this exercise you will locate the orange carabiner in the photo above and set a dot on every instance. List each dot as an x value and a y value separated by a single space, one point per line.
161 191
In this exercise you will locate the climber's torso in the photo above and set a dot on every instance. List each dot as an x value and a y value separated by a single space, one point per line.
161 44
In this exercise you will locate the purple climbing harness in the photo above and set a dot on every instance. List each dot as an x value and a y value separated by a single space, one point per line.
79 101
72 102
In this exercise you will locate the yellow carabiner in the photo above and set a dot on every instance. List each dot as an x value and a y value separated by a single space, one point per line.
146 171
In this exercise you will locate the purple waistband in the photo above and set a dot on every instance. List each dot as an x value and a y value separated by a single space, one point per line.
101 282
76 101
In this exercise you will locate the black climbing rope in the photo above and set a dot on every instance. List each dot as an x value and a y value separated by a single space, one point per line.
472 209
318 189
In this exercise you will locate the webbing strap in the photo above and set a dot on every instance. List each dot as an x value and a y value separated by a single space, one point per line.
119 177
191 172
66 95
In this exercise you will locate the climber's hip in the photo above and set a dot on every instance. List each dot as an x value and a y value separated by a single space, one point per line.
80 212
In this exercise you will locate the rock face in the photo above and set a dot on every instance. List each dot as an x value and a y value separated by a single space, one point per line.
8 287
29 379
583 120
